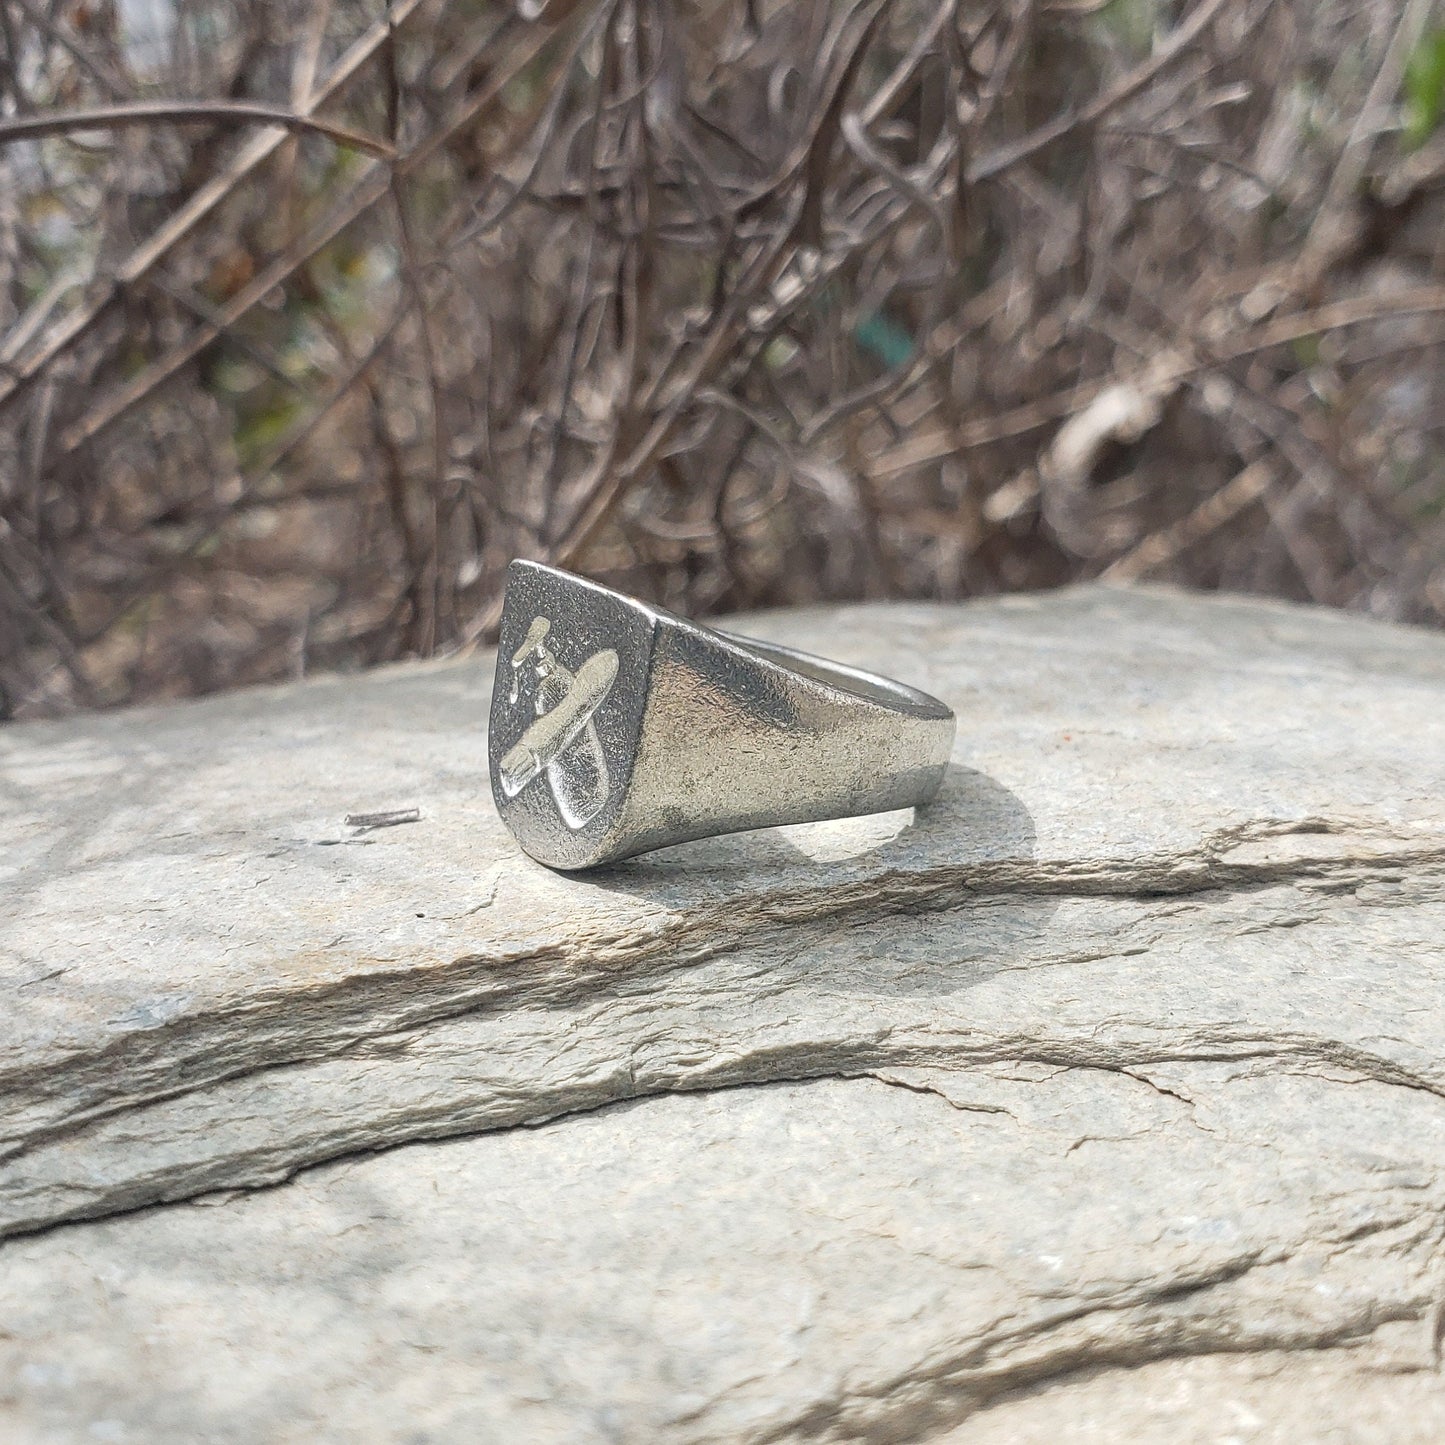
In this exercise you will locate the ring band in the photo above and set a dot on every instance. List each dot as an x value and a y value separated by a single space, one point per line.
617 727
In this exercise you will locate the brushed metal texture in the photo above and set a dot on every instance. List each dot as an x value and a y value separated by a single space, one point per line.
617 728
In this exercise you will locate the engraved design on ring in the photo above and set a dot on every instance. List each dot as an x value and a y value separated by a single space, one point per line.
562 742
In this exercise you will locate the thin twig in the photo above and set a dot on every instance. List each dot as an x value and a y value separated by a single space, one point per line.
1162 547
185 112
393 819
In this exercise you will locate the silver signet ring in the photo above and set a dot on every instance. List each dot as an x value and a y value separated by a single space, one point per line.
617 728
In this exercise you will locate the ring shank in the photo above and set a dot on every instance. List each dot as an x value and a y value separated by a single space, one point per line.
869 685
739 733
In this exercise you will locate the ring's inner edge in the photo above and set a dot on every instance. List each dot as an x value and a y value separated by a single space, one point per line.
870 685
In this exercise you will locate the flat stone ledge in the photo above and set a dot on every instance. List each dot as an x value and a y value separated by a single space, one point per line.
1129 1050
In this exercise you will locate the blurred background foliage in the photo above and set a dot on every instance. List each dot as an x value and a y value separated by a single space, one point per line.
313 315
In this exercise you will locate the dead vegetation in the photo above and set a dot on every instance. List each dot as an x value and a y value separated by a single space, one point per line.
314 315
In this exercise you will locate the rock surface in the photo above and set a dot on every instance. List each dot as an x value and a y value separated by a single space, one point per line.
1107 1095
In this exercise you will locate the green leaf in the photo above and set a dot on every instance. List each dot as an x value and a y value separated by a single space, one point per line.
1135 23
884 339
1424 87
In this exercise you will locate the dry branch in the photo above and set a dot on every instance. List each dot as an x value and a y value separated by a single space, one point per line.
728 303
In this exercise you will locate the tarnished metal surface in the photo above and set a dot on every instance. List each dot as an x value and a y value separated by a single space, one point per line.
617 728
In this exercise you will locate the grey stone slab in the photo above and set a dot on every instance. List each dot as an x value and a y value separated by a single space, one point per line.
1130 1051
195 944
840 1260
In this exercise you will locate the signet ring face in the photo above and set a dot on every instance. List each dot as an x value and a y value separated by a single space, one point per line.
617 728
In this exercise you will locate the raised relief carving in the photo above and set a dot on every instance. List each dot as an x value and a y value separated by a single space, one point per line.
563 741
